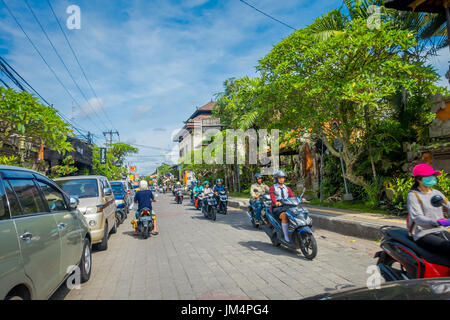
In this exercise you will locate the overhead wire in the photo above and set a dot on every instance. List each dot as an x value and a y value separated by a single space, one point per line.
63 63
79 64
44 60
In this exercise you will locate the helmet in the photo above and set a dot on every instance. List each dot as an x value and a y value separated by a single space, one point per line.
206 182
143 185
257 176
278 174
218 180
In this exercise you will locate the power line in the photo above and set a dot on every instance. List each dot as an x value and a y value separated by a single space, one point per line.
62 61
79 64
9 70
43 59
267 15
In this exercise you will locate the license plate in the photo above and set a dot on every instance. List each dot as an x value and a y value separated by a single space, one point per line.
146 218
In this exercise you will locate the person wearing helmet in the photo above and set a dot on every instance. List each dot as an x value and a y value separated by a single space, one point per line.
144 198
206 190
278 192
219 187
256 191
426 223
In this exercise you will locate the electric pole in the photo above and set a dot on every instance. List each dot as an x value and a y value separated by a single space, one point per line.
110 133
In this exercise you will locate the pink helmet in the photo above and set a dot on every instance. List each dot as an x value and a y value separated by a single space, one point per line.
424 169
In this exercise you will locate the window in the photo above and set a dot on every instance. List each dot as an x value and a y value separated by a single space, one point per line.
54 198
13 202
28 196
4 212
81 188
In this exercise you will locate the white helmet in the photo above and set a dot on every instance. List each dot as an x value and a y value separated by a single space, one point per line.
143 185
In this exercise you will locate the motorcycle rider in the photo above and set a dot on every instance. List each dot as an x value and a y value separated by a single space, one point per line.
206 190
177 188
426 223
218 187
256 191
198 189
279 191
144 198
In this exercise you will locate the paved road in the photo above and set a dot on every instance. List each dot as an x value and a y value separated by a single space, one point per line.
195 258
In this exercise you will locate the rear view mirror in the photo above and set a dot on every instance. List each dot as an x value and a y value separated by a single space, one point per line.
437 201
107 191
73 202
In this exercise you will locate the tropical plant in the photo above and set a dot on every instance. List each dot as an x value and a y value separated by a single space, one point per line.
66 169
24 119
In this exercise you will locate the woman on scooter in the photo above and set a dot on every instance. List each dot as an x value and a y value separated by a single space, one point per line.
279 191
426 223
144 198
206 190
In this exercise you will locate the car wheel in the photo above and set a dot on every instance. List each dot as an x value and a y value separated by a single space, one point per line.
114 228
86 261
104 244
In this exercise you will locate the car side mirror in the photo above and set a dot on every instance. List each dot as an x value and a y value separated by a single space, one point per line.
437 201
73 202
107 191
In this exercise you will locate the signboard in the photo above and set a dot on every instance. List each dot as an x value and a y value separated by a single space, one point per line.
131 177
102 155
133 168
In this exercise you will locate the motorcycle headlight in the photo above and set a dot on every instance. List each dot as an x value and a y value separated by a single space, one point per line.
92 223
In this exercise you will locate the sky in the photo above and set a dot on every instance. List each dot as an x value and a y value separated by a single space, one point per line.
150 63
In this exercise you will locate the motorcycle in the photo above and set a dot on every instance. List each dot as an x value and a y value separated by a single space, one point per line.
415 262
210 208
179 197
266 203
195 200
121 215
145 222
222 202
300 233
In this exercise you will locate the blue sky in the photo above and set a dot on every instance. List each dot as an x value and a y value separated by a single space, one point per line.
150 62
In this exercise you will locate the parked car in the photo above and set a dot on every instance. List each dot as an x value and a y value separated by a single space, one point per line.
129 192
43 236
96 204
121 199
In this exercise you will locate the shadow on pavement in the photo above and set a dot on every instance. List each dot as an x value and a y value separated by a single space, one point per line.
267 247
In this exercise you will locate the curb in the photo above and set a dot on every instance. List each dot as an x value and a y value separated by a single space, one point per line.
334 223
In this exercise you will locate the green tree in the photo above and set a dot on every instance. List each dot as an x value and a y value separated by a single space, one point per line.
113 169
66 169
22 116
346 79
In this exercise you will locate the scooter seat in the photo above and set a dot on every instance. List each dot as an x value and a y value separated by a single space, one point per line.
401 235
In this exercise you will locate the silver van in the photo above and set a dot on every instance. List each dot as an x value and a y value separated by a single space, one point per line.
96 204
42 236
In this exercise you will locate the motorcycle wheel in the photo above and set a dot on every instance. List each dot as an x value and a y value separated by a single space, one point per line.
308 245
213 214
145 232
275 241
205 212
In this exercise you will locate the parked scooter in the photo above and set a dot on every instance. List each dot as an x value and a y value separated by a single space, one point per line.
222 202
179 196
210 208
145 223
121 215
266 202
300 233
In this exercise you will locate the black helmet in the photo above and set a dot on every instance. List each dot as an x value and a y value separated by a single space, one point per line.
278 174
257 176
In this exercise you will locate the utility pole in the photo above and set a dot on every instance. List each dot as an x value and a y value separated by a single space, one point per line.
110 133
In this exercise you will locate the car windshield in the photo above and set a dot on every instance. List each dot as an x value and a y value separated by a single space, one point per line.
81 188
135 186
117 188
